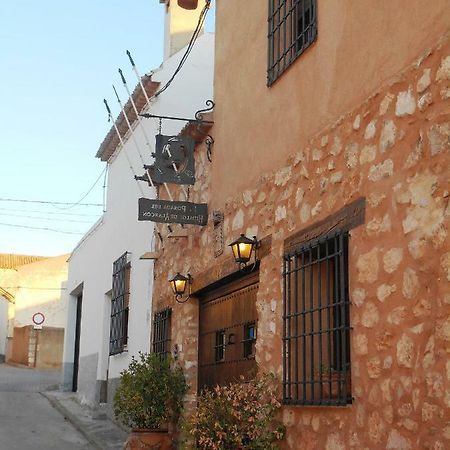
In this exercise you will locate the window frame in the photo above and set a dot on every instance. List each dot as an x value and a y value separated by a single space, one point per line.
220 346
161 332
316 323
120 305
248 342
283 27
345 219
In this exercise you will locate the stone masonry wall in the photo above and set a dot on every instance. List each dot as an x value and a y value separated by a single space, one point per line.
394 150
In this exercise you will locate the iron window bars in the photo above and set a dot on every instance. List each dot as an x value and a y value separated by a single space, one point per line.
118 337
249 340
292 29
220 346
161 332
316 323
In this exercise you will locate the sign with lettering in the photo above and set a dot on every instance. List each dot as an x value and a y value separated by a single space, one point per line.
164 211
174 159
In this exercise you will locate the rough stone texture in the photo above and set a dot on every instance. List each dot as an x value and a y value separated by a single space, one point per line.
384 105
443 72
410 283
371 129
406 103
424 81
367 266
388 135
382 170
384 291
368 154
439 138
405 351
399 263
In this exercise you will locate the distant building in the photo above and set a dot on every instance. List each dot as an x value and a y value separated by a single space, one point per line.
110 279
30 295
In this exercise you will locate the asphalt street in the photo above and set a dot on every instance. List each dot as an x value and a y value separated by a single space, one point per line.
27 419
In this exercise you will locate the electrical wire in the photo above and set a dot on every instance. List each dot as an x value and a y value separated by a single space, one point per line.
104 187
190 46
45 202
68 205
39 228
53 219
49 212
87 193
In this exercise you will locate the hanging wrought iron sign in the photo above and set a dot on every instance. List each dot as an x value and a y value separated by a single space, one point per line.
174 160
165 211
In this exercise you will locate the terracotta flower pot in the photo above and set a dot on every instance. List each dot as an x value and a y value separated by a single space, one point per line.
140 439
188 4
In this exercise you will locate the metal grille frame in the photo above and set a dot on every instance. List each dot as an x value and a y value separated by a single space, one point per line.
292 28
316 323
161 332
120 298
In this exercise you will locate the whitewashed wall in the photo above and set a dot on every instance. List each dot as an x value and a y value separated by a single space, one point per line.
90 266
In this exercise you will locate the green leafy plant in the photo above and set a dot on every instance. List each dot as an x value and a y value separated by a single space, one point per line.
238 416
150 393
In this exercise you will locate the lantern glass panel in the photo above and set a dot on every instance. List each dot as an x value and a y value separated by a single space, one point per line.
245 251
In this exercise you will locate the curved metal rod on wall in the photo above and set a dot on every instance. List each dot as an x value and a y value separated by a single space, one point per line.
199 114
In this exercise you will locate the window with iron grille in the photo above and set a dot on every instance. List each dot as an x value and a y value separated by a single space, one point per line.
316 332
120 298
161 332
292 29
249 340
220 346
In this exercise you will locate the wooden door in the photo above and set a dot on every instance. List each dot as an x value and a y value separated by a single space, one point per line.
228 332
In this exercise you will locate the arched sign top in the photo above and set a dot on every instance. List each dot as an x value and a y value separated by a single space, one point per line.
38 318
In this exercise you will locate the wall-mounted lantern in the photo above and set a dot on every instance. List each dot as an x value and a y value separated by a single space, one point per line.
179 283
243 248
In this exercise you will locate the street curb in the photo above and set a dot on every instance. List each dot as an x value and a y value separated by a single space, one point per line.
74 421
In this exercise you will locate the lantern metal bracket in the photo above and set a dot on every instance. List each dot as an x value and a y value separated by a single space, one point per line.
198 115
209 142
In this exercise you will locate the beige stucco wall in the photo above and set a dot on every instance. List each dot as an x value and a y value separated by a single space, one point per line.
40 291
360 45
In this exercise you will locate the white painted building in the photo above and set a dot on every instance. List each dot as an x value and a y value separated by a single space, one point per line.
89 367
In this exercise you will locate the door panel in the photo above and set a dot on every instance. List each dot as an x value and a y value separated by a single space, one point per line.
224 319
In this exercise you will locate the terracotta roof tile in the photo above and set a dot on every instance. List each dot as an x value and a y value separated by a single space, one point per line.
111 141
12 261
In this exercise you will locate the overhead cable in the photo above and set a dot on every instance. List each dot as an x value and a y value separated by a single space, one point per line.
53 219
87 193
38 228
45 202
49 212
195 35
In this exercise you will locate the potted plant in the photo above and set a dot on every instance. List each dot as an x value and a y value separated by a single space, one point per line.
237 416
335 383
148 399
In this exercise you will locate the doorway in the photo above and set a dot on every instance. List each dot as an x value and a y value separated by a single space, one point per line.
76 356
228 332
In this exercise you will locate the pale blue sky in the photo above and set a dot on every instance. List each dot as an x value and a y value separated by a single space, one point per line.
57 63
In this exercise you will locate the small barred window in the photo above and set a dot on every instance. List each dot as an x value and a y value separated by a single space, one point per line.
316 334
120 299
292 29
